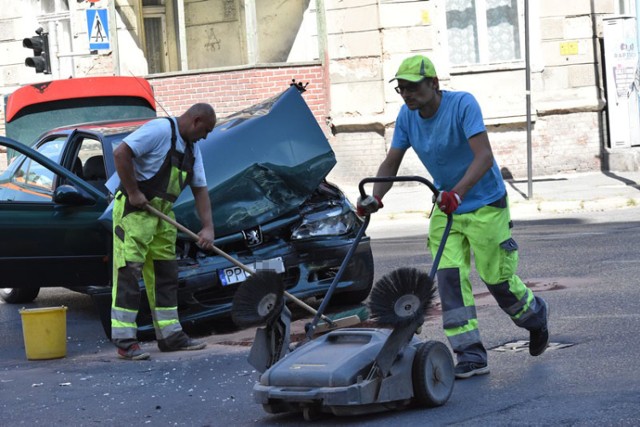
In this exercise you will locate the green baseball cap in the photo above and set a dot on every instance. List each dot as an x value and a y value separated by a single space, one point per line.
415 68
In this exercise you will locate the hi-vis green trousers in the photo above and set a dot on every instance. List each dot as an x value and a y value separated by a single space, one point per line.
486 234
144 246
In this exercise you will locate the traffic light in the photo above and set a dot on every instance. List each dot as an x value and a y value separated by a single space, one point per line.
40 44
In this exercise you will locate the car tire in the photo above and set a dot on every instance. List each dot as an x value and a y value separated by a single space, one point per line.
102 304
363 268
18 295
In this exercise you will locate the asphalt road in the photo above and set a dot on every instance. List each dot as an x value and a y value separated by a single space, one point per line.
586 267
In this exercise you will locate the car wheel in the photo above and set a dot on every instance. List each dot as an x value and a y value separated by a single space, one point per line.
363 269
18 295
432 374
102 304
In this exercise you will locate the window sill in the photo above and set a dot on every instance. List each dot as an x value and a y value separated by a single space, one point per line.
232 68
510 120
485 68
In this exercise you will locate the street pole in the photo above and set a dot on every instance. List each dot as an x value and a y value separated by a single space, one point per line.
528 100
637 91
113 27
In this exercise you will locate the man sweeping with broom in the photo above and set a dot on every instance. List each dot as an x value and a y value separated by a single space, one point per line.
155 163
448 134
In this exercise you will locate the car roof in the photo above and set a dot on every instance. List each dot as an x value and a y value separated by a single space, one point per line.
111 127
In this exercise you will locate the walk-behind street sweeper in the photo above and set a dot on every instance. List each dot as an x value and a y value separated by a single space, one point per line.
349 371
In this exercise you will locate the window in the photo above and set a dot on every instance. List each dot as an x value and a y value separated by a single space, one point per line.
53 6
90 160
54 16
193 35
34 175
154 30
483 31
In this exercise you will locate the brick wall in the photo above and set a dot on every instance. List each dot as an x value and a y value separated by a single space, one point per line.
560 143
231 91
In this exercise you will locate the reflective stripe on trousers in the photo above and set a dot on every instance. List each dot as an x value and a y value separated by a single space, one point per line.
487 233
143 247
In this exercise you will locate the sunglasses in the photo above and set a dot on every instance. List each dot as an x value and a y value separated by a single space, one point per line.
409 87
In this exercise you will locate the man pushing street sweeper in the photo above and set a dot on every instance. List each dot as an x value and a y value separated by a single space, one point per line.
447 132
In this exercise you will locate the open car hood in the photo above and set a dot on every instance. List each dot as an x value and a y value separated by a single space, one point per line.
261 163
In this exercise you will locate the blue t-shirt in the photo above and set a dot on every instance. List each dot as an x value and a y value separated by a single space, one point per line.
150 144
442 144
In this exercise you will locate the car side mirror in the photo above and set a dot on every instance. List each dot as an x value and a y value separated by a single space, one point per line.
70 195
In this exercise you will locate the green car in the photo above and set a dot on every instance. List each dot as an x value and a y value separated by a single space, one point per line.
266 168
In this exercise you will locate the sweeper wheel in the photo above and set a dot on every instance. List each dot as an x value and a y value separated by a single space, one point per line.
312 413
432 374
274 408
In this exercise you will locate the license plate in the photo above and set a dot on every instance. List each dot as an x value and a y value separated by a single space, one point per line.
231 275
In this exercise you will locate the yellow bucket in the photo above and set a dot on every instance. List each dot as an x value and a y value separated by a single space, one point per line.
45 332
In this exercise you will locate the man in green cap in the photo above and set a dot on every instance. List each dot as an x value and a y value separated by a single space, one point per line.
447 132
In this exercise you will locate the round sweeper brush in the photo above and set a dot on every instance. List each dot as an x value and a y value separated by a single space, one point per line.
400 297
258 300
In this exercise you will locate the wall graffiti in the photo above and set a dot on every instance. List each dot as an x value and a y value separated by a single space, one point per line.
213 42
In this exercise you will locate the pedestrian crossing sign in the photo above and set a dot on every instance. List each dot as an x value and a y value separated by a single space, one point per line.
98 29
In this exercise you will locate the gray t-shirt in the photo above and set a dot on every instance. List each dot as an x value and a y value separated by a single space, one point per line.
150 144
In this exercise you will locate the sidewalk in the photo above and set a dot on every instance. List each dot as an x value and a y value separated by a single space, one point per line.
579 192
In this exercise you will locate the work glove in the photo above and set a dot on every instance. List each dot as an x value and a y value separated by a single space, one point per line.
448 201
368 205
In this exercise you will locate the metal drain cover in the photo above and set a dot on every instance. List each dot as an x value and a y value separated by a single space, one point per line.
523 345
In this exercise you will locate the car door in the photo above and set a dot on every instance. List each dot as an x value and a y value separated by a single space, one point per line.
49 229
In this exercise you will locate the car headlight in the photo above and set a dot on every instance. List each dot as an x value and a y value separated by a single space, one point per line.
333 222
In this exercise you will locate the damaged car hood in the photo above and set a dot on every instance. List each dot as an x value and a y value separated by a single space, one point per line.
260 163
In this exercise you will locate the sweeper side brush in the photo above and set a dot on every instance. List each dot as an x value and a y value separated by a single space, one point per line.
259 300
401 297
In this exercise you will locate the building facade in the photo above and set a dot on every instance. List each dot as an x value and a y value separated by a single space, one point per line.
233 53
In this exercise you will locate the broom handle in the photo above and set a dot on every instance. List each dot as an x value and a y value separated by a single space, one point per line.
229 258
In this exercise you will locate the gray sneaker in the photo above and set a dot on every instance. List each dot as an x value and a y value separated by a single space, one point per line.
184 344
469 369
192 344
134 352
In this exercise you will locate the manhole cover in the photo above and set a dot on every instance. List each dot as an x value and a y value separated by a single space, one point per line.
523 345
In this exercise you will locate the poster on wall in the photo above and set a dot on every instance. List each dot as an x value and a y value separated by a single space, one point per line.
621 70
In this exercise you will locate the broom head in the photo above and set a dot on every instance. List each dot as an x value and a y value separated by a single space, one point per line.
400 297
258 300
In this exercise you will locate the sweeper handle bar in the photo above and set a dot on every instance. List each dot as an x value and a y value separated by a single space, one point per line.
229 258
435 191
311 327
397 179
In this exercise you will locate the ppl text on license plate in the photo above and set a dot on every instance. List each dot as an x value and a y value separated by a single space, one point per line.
231 275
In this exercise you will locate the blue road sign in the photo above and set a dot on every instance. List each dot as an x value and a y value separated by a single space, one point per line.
98 29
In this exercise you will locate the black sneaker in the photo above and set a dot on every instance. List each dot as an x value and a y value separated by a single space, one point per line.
539 338
469 369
